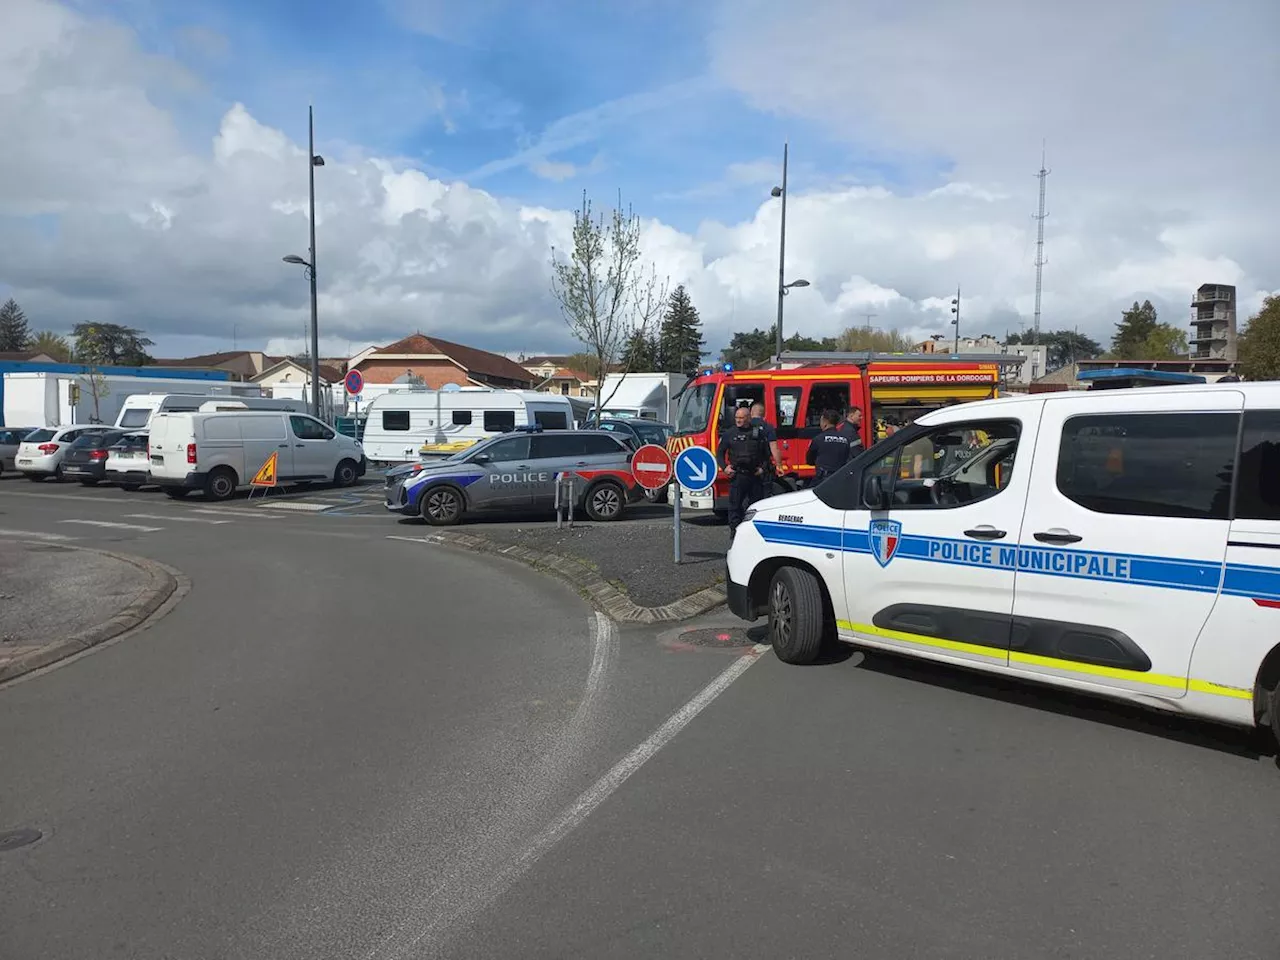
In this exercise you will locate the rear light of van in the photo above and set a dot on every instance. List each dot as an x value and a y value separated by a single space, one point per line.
48 448
191 453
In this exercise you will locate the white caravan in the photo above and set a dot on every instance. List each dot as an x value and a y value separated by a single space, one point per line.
139 408
401 427
218 452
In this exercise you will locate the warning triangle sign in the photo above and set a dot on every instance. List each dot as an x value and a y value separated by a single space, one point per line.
266 475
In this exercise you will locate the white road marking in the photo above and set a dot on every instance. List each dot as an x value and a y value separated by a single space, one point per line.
154 516
233 512
296 505
432 937
115 526
34 535
410 539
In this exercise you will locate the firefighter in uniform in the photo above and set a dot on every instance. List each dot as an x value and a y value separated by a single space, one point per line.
744 456
829 450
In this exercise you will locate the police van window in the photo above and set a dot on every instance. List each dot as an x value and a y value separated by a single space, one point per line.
1149 464
395 419
825 396
507 449
551 419
950 466
550 446
1258 493
461 418
499 421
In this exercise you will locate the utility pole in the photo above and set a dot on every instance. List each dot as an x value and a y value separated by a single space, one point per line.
870 317
955 320
1040 260
782 248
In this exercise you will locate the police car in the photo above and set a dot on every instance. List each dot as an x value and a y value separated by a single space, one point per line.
517 472
1123 543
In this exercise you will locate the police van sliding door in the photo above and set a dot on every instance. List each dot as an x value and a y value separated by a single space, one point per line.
934 573
1125 536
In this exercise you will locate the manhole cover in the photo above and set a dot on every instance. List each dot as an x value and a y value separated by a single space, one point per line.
13 839
717 637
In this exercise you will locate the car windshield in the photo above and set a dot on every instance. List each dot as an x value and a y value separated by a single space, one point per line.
651 432
135 417
695 408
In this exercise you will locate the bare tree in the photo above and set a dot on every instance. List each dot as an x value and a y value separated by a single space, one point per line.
606 294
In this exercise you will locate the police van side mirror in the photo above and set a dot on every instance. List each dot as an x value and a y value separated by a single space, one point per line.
873 495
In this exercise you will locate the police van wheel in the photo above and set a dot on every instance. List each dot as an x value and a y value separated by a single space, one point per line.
442 506
605 501
1275 712
796 619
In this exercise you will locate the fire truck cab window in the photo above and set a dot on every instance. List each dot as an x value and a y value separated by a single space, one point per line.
825 396
740 395
786 403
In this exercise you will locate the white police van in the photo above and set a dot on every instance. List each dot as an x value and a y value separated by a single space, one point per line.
1122 542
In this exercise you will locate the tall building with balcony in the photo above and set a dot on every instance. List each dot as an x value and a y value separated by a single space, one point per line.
1213 323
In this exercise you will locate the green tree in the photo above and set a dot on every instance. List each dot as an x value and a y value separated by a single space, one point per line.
1135 326
640 353
14 334
860 339
51 345
109 344
798 342
748 348
1165 342
680 343
1260 343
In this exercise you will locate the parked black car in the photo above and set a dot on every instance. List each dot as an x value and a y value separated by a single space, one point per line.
86 461
636 432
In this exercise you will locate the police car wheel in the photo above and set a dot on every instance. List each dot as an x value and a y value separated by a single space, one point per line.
605 501
442 506
1275 713
796 620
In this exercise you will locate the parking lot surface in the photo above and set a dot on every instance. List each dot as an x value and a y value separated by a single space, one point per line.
342 744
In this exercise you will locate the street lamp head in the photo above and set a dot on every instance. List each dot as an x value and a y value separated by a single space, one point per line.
775 192
294 258
798 283
317 160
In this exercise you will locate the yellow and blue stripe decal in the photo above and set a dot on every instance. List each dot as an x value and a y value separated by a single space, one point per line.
1241 580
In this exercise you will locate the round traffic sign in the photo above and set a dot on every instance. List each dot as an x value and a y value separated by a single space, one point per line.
696 468
354 381
651 466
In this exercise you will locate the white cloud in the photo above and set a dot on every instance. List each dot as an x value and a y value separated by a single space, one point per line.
108 212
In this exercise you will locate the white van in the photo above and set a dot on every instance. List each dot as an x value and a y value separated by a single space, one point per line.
138 408
1124 543
401 427
220 452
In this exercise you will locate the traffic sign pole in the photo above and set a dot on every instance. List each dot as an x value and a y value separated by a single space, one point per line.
674 491
694 468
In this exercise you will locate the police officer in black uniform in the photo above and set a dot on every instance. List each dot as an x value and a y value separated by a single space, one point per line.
829 450
743 454
851 428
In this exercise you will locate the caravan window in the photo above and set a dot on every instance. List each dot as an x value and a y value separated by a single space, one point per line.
499 421
461 418
551 419
135 417
395 419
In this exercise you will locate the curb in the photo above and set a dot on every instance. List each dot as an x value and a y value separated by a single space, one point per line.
163 582
602 594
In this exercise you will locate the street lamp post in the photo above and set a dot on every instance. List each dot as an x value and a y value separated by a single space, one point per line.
955 320
782 249
313 161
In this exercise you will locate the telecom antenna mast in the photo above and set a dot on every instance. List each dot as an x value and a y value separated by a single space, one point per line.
1040 260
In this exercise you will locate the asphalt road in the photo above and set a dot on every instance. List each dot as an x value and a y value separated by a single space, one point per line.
343 745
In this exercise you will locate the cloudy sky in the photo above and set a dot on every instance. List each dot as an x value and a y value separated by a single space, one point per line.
153 165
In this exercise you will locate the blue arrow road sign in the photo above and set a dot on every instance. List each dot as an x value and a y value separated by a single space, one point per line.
696 468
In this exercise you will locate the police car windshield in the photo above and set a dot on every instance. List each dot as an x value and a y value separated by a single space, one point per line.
695 408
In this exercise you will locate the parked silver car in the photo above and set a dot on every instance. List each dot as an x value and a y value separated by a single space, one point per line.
517 472
10 437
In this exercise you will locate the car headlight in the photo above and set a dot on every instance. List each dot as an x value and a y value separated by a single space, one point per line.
748 516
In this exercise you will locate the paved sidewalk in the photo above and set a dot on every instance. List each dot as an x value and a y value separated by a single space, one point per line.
56 600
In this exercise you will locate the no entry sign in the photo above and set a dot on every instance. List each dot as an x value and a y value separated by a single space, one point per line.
651 466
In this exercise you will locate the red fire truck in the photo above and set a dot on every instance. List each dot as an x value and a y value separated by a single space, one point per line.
890 393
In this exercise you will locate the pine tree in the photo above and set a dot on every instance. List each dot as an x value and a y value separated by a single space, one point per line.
680 344
639 355
14 335
1135 326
